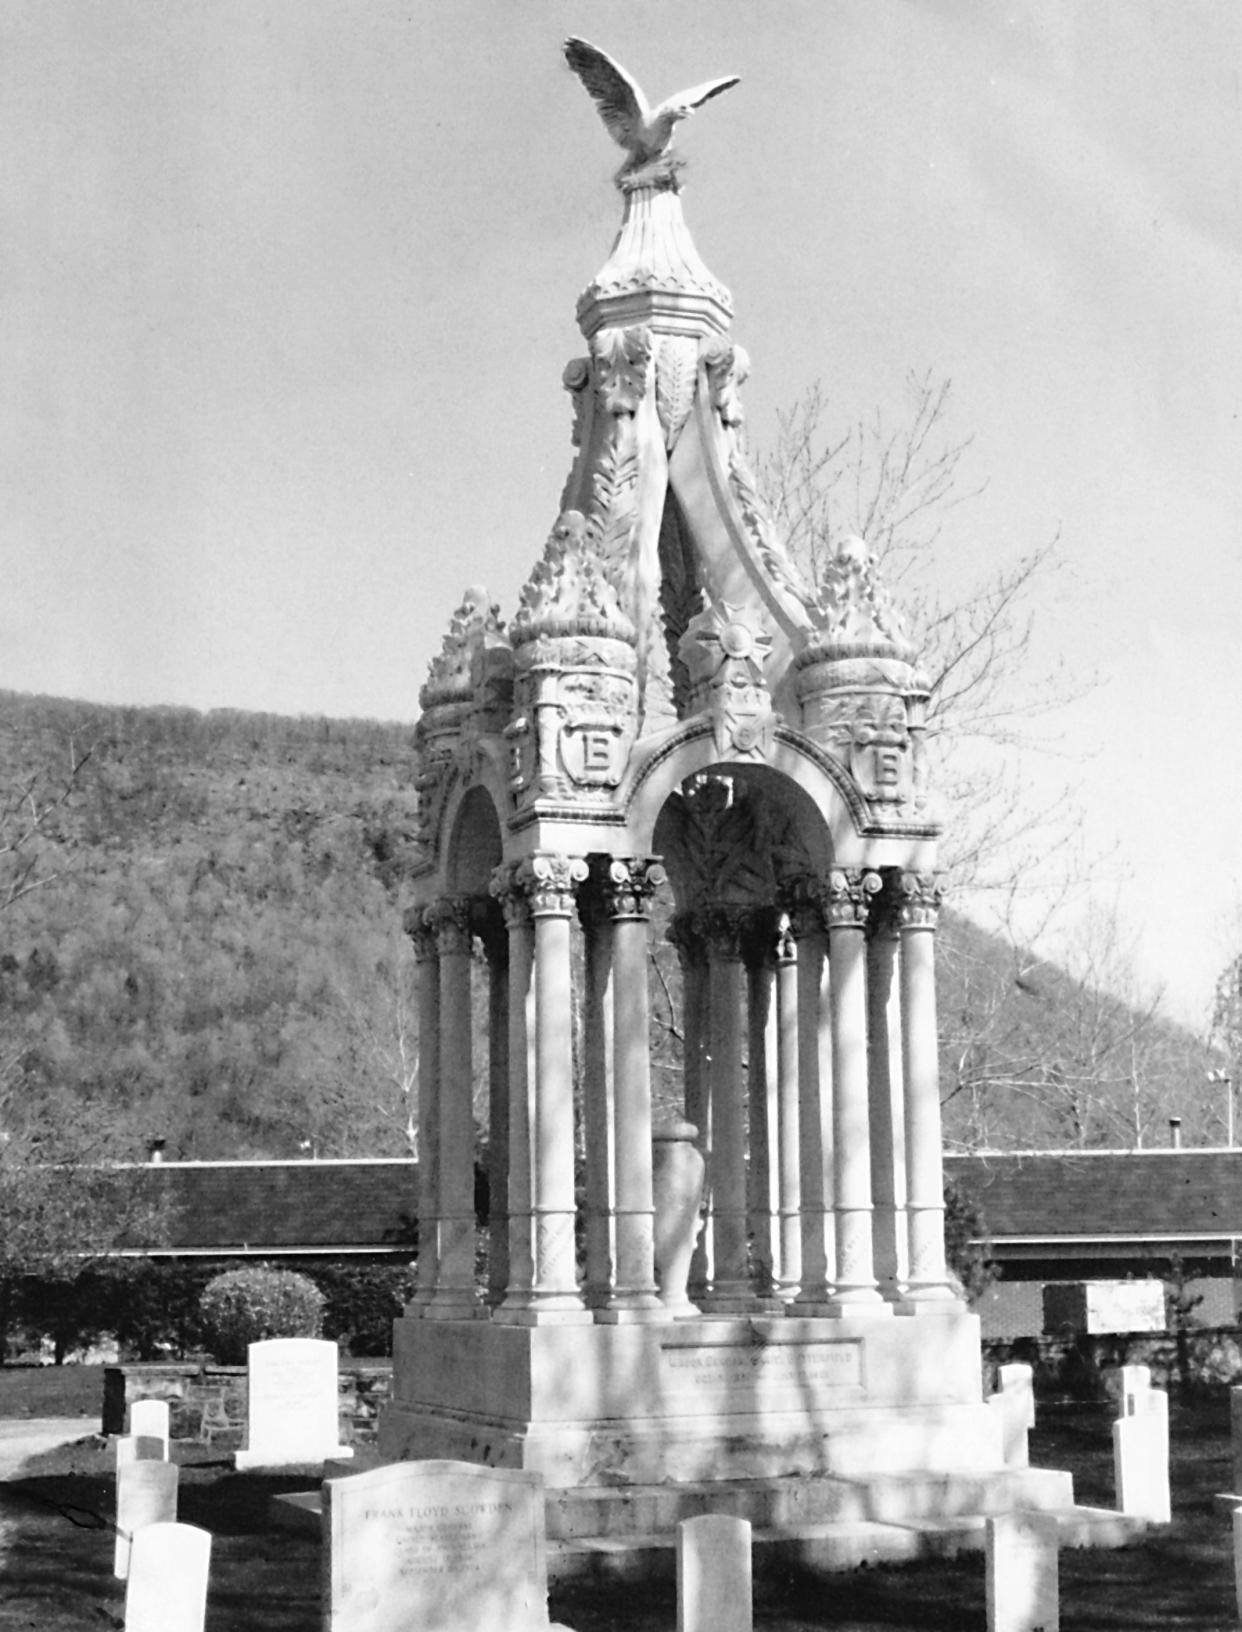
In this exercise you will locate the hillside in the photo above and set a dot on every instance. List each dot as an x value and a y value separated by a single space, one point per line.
214 957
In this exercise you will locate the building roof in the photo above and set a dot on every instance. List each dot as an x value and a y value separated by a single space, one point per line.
262 1208
1037 1201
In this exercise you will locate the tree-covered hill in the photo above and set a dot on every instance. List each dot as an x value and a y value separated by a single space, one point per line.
204 946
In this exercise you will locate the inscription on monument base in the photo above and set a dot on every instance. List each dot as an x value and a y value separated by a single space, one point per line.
724 1371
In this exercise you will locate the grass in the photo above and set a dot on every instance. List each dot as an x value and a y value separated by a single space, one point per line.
51 1391
56 1550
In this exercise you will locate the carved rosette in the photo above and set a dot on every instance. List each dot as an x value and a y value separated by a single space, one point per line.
920 897
724 651
550 883
847 896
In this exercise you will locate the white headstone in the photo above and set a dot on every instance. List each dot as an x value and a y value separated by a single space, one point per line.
1141 1460
1023 1586
714 1574
292 1413
167 1587
149 1419
1135 1382
1018 1379
139 1448
1010 1412
146 1493
441 1546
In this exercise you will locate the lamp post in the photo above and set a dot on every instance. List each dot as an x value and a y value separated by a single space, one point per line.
1226 1082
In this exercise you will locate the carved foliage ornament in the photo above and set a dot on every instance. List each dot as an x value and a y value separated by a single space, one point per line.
921 896
847 896
725 650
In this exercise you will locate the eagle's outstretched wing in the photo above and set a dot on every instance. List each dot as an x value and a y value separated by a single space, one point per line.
622 105
698 94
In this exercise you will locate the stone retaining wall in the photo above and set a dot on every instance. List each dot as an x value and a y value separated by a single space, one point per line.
207 1402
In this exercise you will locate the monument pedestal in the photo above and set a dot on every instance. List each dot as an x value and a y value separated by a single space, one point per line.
718 1398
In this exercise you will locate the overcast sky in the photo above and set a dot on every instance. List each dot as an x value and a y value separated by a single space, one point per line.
288 288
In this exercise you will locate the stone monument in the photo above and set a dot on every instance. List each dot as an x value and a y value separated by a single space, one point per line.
785 803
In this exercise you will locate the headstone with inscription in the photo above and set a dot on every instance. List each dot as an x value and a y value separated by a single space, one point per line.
149 1419
441 1546
146 1493
167 1587
714 1574
1023 1585
292 1413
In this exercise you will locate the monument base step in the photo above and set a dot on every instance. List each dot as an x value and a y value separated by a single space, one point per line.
834 1523
832 1546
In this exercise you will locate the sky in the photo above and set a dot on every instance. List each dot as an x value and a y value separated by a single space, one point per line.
289 286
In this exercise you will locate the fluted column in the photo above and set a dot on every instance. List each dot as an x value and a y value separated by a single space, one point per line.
847 901
427 961
928 1289
551 881
789 1178
455 1297
627 887
815 1107
723 928
888 1134
520 1100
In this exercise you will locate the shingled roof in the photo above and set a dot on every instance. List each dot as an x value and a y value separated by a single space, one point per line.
1136 1202
262 1208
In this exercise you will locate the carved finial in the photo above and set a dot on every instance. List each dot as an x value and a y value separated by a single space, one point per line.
857 608
646 133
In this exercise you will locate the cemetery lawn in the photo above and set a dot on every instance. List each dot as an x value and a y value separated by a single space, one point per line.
56 1552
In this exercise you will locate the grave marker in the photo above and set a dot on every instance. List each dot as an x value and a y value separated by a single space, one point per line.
714 1574
291 1412
1141 1461
441 1546
139 1448
146 1493
1018 1380
149 1419
1023 1573
167 1587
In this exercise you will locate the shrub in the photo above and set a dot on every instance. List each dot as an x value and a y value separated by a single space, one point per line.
245 1306
967 1243
362 1301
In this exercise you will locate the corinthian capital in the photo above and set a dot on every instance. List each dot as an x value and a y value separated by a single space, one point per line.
550 882
449 920
627 884
847 896
921 895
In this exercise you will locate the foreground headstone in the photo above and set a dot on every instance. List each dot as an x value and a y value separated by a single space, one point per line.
291 1412
149 1419
146 1493
1141 1462
139 1448
441 1546
714 1575
167 1587
1023 1573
